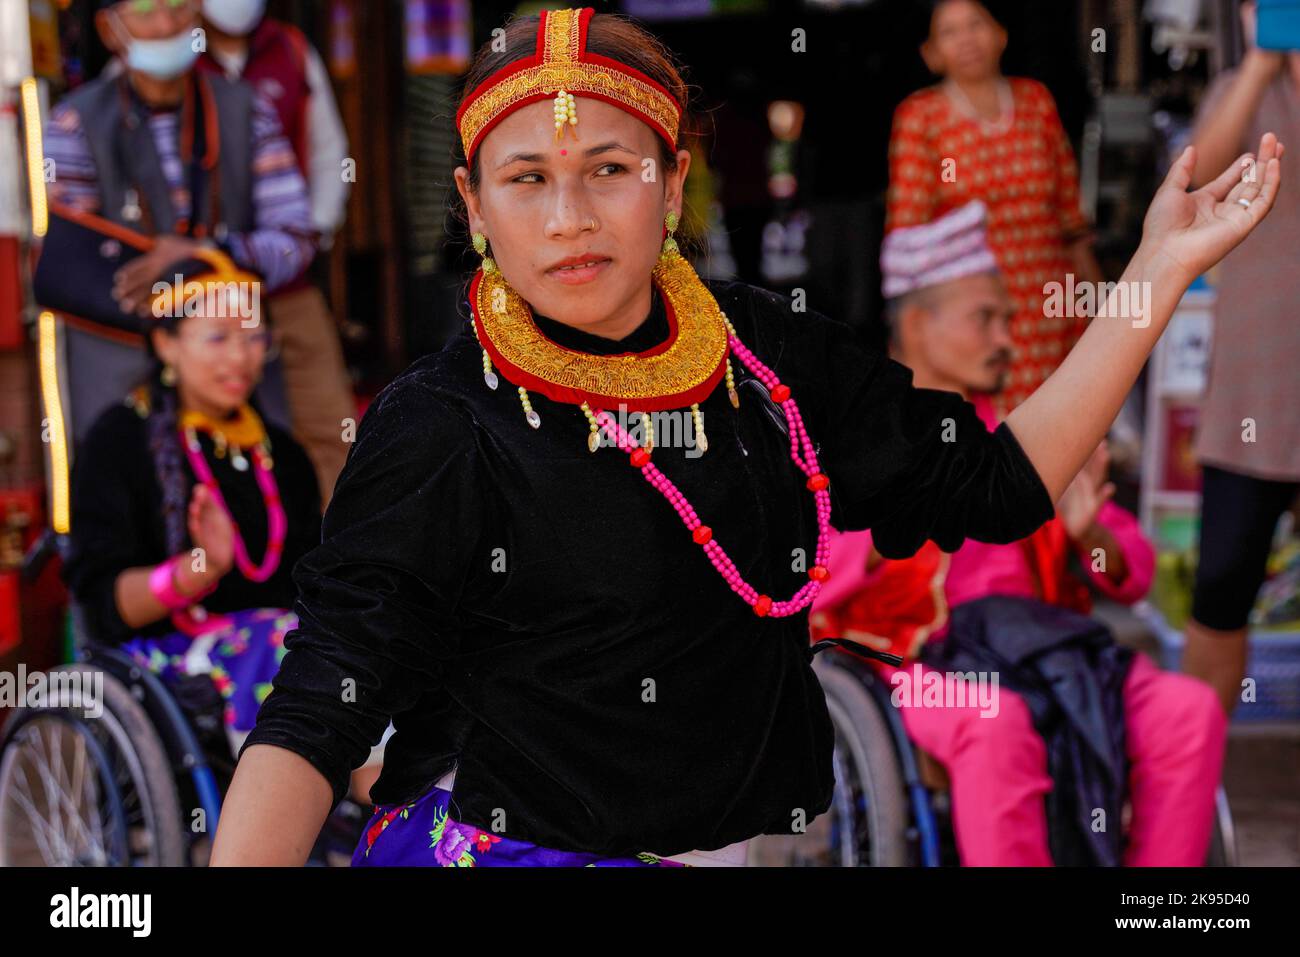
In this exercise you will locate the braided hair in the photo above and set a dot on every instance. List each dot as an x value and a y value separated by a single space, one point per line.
165 448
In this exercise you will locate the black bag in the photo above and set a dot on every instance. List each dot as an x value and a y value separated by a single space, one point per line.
81 254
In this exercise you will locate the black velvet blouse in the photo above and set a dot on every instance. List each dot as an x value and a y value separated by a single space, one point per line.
117 520
538 617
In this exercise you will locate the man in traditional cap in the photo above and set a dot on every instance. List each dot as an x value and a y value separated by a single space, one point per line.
949 317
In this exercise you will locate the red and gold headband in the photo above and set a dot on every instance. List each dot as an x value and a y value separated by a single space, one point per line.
561 67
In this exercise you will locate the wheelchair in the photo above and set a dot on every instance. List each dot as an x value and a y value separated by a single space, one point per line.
891 806
114 767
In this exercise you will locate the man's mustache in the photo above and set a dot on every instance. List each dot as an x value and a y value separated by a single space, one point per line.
1000 358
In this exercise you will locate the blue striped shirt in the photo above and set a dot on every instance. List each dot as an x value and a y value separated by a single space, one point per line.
282 242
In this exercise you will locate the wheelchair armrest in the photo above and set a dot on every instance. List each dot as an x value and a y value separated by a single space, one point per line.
38 556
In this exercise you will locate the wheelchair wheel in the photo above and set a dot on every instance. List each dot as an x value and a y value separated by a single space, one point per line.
140 777
58 804
866 824
1223 840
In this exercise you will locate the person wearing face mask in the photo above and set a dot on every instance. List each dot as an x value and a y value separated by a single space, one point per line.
191 159
275 59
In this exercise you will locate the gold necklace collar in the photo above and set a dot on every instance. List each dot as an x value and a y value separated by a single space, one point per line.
681 371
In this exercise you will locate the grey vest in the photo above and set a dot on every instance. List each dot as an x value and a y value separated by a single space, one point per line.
125 156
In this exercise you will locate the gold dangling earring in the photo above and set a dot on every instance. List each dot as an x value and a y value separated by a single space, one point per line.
480 246
168 376
670 244
489 267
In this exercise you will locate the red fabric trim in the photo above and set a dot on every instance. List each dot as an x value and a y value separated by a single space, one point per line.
539 48
491 124
507 70
631 71
643 117
671 313
539 51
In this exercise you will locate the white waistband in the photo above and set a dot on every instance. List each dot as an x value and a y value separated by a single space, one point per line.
733 855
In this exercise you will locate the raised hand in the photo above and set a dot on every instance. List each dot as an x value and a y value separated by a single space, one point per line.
1187 233
210 529
1083 498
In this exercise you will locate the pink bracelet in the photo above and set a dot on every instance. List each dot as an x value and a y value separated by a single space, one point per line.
162 582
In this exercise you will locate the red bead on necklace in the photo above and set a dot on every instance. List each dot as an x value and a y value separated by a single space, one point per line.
803 455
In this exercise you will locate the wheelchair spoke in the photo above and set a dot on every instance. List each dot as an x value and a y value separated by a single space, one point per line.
53 818
79 786
847 833
90 799
40 826
72 828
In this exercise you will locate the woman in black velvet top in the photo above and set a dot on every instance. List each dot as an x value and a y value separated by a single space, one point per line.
570 678
188 514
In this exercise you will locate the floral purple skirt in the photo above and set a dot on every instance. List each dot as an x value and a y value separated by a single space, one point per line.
241 657
423 834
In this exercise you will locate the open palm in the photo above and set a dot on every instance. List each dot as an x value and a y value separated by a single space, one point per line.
1193 231
211 529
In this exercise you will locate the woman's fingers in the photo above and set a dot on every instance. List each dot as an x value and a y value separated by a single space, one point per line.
1180 174
1253 172
1231 178
1258 196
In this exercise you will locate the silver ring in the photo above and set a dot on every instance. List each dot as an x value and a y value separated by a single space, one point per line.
1244 203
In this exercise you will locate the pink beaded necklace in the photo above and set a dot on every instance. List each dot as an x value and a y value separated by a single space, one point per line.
803 455
277 524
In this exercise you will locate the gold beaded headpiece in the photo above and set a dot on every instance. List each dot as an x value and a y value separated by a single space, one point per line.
560 67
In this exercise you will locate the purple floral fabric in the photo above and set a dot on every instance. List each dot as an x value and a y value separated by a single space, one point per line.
242 657
423 834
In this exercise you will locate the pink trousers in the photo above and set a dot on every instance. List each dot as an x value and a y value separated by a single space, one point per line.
1176 732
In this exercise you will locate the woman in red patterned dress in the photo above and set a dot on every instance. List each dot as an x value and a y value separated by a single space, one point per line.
979 135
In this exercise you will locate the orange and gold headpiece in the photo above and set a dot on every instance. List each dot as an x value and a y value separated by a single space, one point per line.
561 67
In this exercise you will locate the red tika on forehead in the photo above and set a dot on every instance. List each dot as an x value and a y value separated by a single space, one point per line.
561 67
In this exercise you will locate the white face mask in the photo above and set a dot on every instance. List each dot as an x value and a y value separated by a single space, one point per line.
160 59
235 17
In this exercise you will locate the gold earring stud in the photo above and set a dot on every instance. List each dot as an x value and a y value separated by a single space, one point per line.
168 376
480 246
670 244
